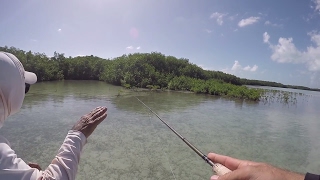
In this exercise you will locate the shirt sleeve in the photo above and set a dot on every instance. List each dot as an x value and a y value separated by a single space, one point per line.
64 166
310 176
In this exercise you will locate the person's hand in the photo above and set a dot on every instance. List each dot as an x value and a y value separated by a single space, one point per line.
248 170
34 165
88 123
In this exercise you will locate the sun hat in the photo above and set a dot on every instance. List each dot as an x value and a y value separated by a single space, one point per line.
13 80
29 77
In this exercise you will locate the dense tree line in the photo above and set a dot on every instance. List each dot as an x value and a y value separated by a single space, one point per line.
139 69
143 70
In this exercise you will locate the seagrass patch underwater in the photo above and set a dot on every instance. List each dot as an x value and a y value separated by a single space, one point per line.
133 144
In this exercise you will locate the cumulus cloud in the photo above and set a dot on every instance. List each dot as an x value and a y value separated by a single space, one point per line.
286 51
205 67
268 23
254 68
132 48
237 66
59 30
315 37
248 68
266 37
317 5
218 16
248 21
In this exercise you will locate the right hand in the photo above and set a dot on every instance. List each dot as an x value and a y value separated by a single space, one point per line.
248 170
88 123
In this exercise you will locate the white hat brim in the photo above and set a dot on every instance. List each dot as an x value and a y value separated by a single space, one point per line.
30 78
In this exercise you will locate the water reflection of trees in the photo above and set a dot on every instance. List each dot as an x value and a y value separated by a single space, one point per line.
57 91
158 101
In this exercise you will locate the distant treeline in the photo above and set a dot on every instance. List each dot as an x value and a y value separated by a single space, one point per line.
143 70
274 84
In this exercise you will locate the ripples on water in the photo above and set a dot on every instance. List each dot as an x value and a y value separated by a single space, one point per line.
133 144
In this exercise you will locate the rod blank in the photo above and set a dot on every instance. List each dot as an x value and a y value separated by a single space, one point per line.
218 168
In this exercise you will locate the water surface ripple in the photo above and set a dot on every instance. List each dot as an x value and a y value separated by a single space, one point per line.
134 144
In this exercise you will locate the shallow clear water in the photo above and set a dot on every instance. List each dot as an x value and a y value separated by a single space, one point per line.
133 144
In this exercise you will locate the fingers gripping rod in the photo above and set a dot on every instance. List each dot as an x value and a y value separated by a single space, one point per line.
218 168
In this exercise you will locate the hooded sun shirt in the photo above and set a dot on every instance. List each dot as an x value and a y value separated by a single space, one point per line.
64 166
12 85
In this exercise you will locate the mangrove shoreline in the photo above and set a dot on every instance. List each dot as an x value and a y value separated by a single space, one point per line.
142 70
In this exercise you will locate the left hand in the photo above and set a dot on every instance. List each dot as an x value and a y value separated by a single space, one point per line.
88 123
34 165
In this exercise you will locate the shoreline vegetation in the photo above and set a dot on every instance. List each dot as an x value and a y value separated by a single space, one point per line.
143 70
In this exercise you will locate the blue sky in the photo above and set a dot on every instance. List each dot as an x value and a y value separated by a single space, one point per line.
266 40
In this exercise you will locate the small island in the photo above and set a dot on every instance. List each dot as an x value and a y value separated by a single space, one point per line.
143 70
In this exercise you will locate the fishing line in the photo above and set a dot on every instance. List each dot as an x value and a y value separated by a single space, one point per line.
149 114
218 168
167 159
170 166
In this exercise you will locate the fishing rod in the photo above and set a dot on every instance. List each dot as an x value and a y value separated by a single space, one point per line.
218 168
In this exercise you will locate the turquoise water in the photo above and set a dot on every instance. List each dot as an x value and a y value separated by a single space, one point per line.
133 144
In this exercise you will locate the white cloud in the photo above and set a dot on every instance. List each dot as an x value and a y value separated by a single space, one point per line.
266 37
254 68
208 31
315 37
132 48
247 68
59 30
205 67
248 21
235 30
129 47
286 52
268 23
237 66
317 5
218 17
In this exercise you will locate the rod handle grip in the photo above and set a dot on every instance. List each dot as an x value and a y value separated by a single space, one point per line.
220 169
